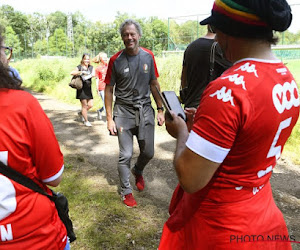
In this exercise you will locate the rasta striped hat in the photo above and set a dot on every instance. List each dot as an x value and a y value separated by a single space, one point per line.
250 18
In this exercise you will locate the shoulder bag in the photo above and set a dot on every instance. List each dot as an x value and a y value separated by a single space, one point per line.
76 82
183 91
61 202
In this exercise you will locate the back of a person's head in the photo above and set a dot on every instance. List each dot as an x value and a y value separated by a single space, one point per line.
96 59
99 58
250 18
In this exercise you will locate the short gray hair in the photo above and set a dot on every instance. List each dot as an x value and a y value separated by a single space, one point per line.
130 22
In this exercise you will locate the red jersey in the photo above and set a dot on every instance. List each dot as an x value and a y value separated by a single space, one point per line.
243 121
28 144
100 73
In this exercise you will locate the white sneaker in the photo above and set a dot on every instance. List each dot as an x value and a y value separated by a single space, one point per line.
99 114
88 124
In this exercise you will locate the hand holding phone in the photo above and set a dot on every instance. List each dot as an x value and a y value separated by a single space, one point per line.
171 103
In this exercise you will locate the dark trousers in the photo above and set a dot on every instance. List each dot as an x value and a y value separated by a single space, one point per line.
126 130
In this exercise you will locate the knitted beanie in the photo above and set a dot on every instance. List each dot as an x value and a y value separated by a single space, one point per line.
250 18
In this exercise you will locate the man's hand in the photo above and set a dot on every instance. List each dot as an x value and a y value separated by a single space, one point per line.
190 114
111 126
175 125
160 118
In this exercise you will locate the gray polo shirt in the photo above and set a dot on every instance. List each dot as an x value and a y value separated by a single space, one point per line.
131 76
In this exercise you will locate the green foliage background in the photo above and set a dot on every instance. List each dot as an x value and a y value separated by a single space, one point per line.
36 34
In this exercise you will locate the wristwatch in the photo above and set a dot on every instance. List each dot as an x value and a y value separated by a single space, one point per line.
160 108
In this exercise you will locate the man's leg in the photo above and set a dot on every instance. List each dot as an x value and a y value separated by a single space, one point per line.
146 150
125 137
101 93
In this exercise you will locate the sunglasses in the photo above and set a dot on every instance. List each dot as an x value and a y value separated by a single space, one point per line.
7 51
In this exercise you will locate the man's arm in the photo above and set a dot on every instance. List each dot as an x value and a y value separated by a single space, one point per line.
108 99
55 182
160 114
76 72
93 72
193 171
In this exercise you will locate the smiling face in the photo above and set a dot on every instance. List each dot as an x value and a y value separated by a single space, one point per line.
85 60
131 37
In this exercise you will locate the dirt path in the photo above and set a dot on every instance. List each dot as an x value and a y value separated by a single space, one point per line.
101 151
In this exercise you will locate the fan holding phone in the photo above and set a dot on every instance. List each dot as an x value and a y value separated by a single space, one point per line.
171 103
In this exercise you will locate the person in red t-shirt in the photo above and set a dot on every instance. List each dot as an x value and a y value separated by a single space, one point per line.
100 73
224 198
28 220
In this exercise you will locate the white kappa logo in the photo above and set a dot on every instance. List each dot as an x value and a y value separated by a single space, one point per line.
249 68
223 95
236 79
285 96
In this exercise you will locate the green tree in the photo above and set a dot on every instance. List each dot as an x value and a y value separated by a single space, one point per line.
18 21
160 34
12 40
41 47
59 44
3 20
174 35
56 20
287 38
38 26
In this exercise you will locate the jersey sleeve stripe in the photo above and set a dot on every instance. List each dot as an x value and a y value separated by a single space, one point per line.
154 62
110 65
206 149
54 177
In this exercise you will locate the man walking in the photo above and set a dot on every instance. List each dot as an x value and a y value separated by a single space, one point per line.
133 73
196 68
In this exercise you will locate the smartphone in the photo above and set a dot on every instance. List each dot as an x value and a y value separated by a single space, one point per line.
171 102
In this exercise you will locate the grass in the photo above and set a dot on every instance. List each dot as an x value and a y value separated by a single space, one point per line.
292 147
99 221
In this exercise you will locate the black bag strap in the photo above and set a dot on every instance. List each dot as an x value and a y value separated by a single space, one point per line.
22 179
212 61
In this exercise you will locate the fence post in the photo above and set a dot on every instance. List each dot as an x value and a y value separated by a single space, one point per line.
168 33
